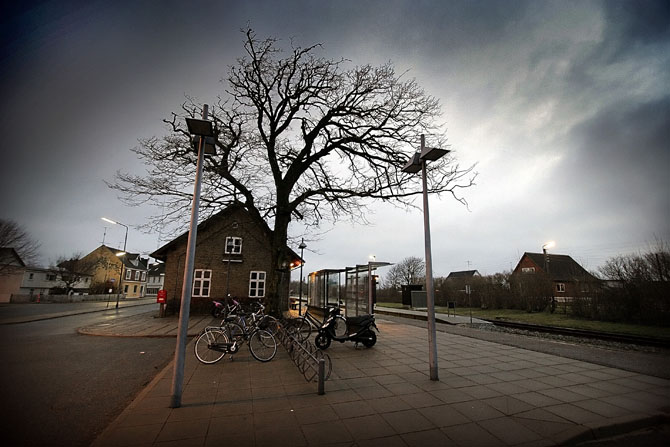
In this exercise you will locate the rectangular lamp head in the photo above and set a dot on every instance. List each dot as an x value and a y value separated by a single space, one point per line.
433 153
200 127
413 165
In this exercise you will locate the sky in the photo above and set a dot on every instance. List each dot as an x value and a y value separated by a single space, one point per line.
564 107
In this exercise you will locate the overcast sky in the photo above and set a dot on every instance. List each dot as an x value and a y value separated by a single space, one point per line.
565 106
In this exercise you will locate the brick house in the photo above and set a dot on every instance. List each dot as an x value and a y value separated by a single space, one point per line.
232 257
568 278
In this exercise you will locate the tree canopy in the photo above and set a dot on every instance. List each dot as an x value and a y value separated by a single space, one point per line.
298 136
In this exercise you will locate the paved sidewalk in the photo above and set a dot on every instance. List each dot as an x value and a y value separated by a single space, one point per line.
488 394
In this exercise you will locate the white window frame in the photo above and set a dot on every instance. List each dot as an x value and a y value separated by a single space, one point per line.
527 269
137 275
129 274
144 276
202 283
560 287
233 246
257 284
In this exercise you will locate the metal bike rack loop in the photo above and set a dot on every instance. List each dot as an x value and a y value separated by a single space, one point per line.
314 364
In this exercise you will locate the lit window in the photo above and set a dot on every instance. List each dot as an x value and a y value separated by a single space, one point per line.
257 284
202 281
233 245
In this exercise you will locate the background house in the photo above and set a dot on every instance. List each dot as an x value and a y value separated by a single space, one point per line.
11 273
232 257
566 276
464 274
41 281
110 270
155 278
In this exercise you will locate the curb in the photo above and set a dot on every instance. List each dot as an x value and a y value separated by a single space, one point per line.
605 431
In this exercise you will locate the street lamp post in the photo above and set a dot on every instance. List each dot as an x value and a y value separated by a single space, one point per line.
302 247
125 241
418 163
203 133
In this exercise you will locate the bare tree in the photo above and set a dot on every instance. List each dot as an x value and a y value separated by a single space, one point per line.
12 235
298 137
408 271
74 269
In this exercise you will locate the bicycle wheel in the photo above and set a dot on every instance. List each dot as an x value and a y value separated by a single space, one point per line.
210 346
301 329
262 345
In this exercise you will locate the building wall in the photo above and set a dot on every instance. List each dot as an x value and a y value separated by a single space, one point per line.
210 255
10 282
107 265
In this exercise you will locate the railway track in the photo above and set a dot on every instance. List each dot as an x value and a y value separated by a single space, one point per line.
583 333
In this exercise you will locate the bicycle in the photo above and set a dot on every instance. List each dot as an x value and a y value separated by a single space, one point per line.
217 341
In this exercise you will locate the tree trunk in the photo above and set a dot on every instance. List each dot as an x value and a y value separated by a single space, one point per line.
280 276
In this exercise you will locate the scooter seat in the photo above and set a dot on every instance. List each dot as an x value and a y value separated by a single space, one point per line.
361 320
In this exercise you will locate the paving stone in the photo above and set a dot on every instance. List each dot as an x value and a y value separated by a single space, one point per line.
471 434
407 421
509 431
367 427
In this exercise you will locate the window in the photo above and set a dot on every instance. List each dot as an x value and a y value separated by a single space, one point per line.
144 276
141 290
125 288
51 277
128 274
527 269
560 287
31 276
233 245
135 288
137 275
202 281
257 284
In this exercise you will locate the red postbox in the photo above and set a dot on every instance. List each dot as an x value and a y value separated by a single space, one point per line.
161 297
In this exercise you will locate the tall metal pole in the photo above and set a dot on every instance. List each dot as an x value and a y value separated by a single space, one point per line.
430 292
125 241
180 350
302 248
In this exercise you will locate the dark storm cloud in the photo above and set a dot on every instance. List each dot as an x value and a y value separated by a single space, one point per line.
638 22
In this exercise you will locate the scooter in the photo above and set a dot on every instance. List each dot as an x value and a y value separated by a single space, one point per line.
338 328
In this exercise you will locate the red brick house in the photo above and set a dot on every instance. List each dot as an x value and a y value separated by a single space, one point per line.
232 256
568 278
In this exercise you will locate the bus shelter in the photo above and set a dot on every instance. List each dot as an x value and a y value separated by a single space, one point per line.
358 295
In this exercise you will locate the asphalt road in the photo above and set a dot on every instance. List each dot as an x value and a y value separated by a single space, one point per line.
62 388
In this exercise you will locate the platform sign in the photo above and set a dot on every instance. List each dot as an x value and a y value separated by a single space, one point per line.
162 296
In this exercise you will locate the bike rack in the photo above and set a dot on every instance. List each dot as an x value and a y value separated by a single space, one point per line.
312 362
